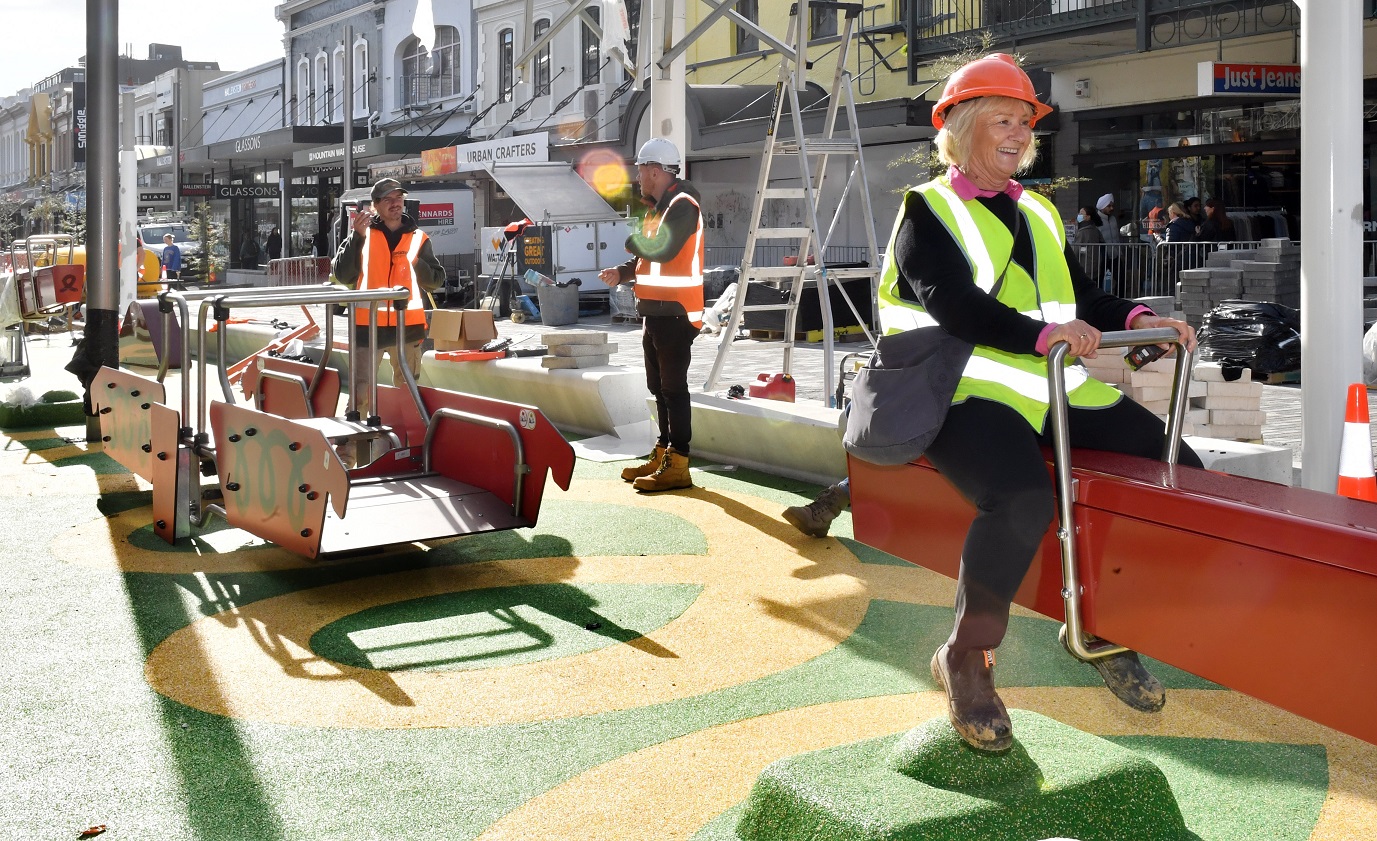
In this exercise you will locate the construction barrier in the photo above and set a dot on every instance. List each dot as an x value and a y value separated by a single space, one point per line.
298 271
1356 479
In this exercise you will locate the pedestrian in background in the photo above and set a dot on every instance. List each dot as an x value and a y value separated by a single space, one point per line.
1217 227
668 270
171 258
274 245
249 252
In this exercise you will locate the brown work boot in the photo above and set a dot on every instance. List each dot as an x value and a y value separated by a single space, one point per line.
815 518
1131 682
672 474
975 708
631 474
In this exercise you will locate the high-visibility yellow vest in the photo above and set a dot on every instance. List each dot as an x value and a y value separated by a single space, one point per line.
1018 380
680 278
383 268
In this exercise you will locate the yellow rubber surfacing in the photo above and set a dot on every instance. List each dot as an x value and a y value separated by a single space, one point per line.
766 606
611 802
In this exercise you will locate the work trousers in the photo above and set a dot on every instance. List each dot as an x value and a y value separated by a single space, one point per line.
668 344
994 458
368 359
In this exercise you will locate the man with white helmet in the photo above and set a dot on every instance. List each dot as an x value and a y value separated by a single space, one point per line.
668 271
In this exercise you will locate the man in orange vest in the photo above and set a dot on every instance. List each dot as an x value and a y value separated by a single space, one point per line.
386 249
668 271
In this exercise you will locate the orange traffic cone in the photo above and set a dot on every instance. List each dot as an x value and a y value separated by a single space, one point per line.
1356 479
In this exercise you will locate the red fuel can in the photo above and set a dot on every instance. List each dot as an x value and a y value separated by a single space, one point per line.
773 387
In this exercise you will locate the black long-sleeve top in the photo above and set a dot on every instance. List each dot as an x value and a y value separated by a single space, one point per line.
938 276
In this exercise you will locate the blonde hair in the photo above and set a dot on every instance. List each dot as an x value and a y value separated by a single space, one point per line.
953 140
1175 209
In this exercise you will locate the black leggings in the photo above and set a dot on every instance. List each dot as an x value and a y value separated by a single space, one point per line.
668 345
994 459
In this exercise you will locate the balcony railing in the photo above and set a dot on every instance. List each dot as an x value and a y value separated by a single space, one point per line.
944 26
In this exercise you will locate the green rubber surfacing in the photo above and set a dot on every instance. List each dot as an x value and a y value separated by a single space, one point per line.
90 743
928 785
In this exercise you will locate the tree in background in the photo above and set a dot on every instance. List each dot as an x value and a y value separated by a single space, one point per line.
208 264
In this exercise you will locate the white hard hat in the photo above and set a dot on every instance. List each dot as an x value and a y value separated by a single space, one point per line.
658 150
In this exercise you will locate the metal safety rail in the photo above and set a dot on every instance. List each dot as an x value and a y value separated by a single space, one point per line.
1073 632
449 463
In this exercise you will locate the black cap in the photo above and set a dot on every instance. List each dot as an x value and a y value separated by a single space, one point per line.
385 186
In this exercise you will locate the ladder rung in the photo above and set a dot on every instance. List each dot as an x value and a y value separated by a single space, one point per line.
782 233
767 307
761 272
832 146
784 193
817 147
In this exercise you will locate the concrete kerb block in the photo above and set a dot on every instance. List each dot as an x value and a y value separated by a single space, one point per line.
1239 458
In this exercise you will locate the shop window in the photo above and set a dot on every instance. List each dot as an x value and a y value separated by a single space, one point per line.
506 65
337 101
747 41
304 96
542 60
321 107
823 23
360 78
592 49
428 76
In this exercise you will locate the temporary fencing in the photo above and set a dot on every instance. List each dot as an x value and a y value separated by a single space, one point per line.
298 271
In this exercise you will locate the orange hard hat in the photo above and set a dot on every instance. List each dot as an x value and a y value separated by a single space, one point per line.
997 74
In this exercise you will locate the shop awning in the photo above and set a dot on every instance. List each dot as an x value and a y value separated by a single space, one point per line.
552 192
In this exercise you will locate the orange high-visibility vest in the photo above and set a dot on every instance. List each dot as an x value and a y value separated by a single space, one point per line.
679 278
383 268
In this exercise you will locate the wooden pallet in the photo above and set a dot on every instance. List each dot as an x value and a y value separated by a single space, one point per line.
839 334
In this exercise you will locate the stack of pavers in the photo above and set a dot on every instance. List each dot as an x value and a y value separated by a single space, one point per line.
576 349
1218 408
1269 273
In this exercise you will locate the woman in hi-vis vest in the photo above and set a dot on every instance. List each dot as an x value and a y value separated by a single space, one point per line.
668 271
975 253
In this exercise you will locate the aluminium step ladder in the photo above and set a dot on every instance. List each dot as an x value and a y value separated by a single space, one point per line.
812 155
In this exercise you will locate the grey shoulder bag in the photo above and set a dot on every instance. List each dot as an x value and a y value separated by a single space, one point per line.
901 397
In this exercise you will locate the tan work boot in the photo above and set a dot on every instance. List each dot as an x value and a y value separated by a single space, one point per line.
672 474
816 517
631 474
975 708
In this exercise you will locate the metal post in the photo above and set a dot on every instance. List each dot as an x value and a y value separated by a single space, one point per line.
348 111
1331 229
177 140
100 347
128 208
668 89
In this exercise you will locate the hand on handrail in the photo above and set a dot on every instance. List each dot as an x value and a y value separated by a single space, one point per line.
1148 321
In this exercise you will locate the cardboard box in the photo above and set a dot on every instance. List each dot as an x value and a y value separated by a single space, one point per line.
461 329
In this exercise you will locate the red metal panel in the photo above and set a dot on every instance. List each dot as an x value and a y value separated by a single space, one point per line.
484 458
167 495
122 402
1260 587
277 477
285 399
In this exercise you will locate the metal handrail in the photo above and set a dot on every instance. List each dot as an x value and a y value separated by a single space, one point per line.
1073 632
446 413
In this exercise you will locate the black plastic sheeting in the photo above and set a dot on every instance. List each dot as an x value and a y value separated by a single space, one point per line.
1260 336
